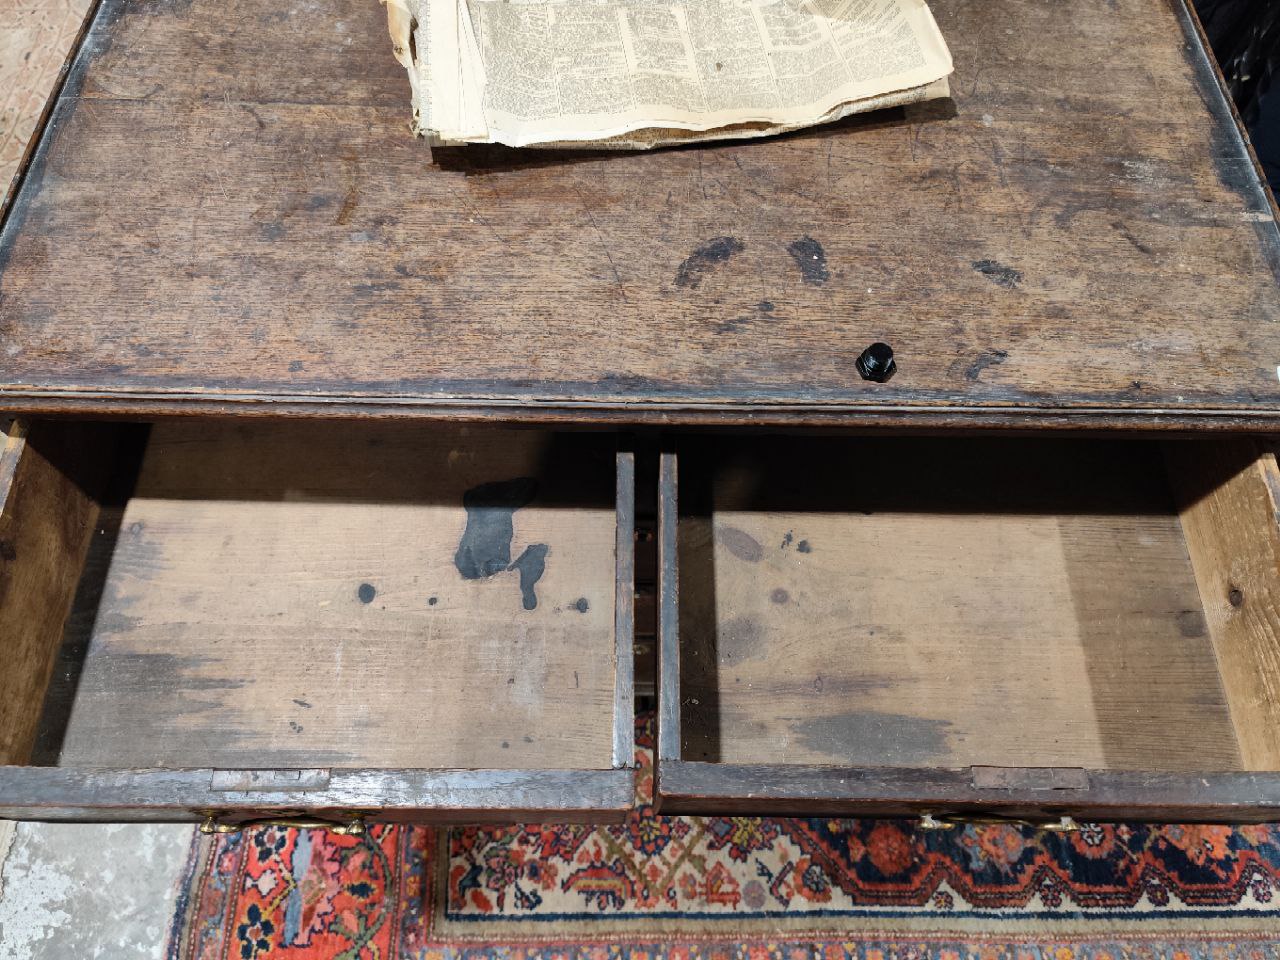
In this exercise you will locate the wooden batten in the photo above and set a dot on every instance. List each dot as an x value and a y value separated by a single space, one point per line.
668 613
47 515
1228 492
624 706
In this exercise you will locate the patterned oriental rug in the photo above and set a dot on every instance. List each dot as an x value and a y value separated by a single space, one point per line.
731 888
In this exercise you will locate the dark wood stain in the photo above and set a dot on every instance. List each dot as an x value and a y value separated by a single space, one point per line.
1191 623
740 543
998 273
870 737
707 255
740 638
988 358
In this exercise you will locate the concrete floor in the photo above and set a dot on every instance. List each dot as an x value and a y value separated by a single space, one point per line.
87 890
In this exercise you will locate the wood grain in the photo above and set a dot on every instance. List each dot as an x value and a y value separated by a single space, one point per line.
415 796
1055 246
624 612
287 596
48 476
935 603
670 700
1228 493
812 791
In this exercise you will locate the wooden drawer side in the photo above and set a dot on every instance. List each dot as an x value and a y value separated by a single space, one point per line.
49 484
1227 494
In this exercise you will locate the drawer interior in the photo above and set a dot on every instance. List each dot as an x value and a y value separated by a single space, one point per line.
955 603
327 595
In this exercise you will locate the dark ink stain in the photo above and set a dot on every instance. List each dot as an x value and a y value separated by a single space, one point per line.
741 544
892 739
485 547
272 231
811 259
581 605
366 593
739 639
787 538
575 679
527 739
780 595
1235 597
998 273
531 565
432 601
302 703
695 266
295 366
295 727
1191 623
505 745
988 358
803 547
765 306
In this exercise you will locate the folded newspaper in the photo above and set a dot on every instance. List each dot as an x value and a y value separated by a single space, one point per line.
634 74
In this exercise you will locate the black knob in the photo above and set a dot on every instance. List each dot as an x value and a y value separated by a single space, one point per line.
876 363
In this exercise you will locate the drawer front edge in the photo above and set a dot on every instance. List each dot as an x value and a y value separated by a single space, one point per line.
1111 795
418 796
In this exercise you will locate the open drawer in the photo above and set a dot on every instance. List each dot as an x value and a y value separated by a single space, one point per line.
968 628
332 620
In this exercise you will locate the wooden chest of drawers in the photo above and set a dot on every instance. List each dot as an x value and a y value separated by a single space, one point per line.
338 462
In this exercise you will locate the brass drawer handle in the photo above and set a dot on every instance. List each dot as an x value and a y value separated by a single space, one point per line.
929 821
352 828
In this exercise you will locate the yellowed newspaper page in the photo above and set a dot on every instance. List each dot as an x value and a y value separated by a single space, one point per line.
573 71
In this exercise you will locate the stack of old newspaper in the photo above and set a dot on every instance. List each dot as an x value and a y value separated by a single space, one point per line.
641 73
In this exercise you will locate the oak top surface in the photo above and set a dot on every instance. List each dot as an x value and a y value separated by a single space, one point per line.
227 214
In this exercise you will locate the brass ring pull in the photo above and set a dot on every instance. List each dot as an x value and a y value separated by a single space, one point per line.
929 821
352 828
